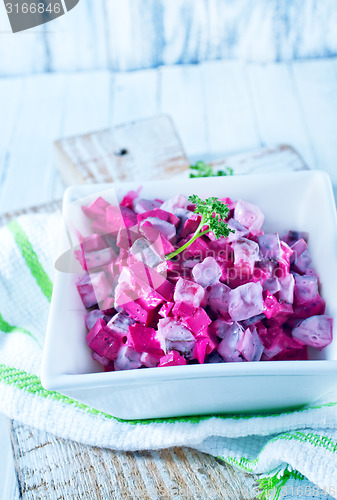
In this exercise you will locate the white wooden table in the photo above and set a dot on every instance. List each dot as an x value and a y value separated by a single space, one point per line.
218 108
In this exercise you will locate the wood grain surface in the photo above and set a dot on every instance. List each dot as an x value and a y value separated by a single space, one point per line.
51 468
141 150
123 35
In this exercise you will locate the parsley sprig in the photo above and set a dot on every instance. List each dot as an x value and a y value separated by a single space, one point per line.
201 169
213 214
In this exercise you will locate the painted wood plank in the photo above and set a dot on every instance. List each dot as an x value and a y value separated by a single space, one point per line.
8 481
231 120
139 150
21 53
278 113
316 85
29 161
86 107
179 472
182 97
10 100
76 41
135 96
134 34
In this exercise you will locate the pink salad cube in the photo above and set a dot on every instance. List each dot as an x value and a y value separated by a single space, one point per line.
93 288
315 331
217 298
249 215
145 339
165 228
245 301
177 337
141 205
103 341
286 291
128 359
99 258
149 360
198 322
188 292
205 344
93 242
177 201
246 253
207 272
250 345
173 358
96 209
270 247
228 346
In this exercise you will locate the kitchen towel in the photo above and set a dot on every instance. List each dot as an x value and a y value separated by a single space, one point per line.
294 452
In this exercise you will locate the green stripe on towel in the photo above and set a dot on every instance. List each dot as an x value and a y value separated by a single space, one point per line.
7 328
31 259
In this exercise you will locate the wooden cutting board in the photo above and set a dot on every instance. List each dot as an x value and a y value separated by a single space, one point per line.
52 468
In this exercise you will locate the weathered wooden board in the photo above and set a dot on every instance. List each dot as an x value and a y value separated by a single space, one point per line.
123 35
51 468
140 150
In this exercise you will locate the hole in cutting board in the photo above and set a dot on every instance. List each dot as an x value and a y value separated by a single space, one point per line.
121 152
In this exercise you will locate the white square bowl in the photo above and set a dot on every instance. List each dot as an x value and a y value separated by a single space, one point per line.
300 201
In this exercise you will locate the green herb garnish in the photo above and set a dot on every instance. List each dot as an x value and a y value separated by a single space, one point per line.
203 170
213 213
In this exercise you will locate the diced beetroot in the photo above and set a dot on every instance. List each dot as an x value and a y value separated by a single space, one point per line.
271 307
298 247
177 201
229 202
228 346
145 339
120 323
104 341
272 284
293 236
137 312
107 363
80 256
302 262
315 331
149 360
96 209
205 344
129 199
92 316
286 292
99 258
150 300
159 242
173 358
306 288
127 236
143 251
128 359
190 225
246 253
198 322
93 289
177 337
155 280
217 298
143 205
285 311
245 301
166 309
240 231
270 247
207 272
108 303
219 327
249 215
165 228
250 345
199 248
183 309
282 346
93 242
188 292
284 261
